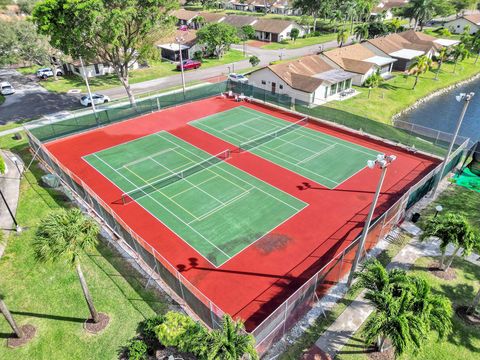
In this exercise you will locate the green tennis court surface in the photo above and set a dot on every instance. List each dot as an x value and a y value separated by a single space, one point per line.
217 209
322 158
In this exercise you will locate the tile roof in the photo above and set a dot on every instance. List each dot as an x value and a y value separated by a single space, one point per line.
240 20
183 14
394 42
211 17
473 18
352 58
189 38
272 25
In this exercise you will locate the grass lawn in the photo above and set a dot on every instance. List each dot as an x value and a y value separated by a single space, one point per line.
433 32
2 99
301 42
396 94
308 338
158 69
464 342
50 297
459 200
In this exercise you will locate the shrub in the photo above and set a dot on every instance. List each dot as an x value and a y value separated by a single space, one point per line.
198 55
173 329
254 60
147 329
137 350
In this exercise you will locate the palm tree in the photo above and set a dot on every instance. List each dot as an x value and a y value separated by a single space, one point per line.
231 342
473 306
342 36
361 32
66 235
445 32
459 53
405 308
199 21
421 11
420 65
442 56
10 320
452 229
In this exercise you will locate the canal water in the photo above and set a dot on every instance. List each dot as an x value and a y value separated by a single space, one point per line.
441 112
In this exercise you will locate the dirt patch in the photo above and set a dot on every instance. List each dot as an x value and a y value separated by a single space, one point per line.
163 354
386 355
471 319
272 242
95 328
448 275
28 334
257 43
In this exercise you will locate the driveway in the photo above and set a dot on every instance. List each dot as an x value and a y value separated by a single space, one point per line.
30 99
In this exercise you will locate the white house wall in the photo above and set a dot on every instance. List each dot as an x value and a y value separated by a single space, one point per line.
456 26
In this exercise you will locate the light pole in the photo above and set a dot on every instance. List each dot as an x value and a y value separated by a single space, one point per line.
438 209
88 89
382 161
180 40
466 99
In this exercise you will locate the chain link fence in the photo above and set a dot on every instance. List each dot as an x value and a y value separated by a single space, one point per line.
287 313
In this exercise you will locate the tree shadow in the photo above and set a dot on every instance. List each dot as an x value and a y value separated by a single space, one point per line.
49 316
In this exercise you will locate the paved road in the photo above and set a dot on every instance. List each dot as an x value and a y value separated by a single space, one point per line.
31 100
265 56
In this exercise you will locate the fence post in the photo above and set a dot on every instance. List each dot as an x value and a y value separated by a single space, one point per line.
181 287
158 103
285 318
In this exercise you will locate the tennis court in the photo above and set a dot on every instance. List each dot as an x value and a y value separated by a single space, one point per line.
200 197
322 158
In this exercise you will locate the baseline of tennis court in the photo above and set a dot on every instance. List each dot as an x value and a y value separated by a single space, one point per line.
322 158
202 199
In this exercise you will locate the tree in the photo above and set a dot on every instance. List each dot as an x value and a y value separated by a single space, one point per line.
66 235
452 229
247 32
419 66
474 304
26 6
118 33
342 36
461 5
217 37
231 342
395 24
459 53
361 32
445 32
10 320
421 11
199 21
405 308
374 80
442 56
294 34
254 60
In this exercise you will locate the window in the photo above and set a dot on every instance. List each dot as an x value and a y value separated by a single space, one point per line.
333 89
280 86
348 84
76 69
264 82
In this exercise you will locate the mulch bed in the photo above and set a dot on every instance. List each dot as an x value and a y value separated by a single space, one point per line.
473 319
28 334
386 355
448 275
163 354
95 328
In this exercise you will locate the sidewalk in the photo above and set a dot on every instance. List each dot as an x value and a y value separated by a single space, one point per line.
345 326
10 187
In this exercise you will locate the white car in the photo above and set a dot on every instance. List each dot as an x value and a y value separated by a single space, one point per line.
6 88
48 72
237 78
97 99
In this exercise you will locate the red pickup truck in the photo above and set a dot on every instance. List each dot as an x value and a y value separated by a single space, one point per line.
189 64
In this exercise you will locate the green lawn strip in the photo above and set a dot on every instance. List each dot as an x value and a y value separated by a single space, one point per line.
396 94
156 70
2 99
458 200
435 33
463 343
50 297
308 338
301 42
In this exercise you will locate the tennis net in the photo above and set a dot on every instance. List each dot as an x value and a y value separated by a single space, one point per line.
270 136
144 190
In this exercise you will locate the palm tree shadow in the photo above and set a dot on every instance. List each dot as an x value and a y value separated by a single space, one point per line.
49 316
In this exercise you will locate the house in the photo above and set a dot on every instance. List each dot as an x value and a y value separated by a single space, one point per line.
283 7
309 79
359 60
170 46
185 17
385 8
399 48
273 30
211 17
240 20
418 37
458 25
92 68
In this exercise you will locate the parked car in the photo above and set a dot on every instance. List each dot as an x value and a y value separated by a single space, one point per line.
237 78
48 72
189 64
97 99
6 88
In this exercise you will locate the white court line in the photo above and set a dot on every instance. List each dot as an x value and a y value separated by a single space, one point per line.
218 208
240 123
145 158
328 148
194 230
184 191
231 174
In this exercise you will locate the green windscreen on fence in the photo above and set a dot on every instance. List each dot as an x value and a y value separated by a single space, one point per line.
46 130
